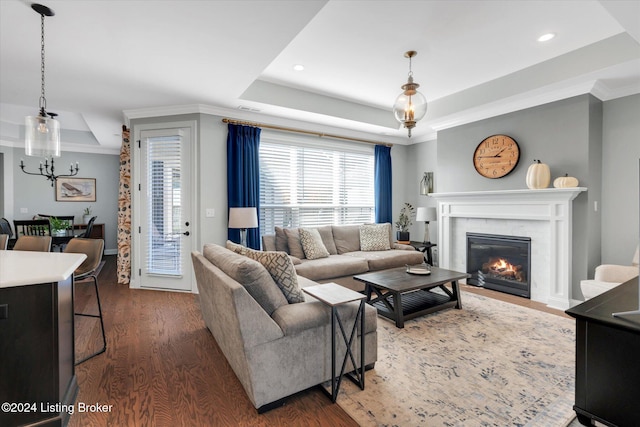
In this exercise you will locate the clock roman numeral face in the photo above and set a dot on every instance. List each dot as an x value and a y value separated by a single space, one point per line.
496 156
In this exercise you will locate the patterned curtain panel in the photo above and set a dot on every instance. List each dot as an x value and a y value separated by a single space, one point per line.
124 211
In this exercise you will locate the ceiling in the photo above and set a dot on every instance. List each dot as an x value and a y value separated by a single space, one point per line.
110 61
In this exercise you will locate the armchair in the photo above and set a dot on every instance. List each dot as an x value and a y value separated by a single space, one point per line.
608 276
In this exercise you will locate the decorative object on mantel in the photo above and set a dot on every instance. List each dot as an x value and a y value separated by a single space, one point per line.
426 215
426 185
538 175
42 132
565 181
404 222
410 106
496 156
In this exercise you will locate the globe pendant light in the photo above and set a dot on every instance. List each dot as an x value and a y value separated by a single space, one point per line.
42 132
410 106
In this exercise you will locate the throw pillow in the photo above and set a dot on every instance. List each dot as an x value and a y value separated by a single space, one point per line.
374 237
281 269
235 247
312 243
293 240
281 240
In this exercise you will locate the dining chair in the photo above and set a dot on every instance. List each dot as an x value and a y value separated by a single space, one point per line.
32 227
4 241
89 229
93 249
5 227
33 243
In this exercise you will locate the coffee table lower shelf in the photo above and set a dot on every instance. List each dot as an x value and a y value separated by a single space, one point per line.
414 304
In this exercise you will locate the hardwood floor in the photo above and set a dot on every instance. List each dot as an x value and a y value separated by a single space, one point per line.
162 367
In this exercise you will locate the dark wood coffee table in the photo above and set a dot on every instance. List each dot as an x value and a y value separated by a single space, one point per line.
401 296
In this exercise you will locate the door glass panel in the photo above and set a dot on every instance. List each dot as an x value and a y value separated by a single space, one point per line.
164 251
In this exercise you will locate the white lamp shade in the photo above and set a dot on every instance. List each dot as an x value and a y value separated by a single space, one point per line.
41 137
426 214
243 218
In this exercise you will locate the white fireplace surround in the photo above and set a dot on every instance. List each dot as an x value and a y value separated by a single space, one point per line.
544 215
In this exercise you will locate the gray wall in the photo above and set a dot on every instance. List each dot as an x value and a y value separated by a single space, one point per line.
597 142
620 175
35 194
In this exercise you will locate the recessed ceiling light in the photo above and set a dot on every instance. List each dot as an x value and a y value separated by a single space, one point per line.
298 67
546 37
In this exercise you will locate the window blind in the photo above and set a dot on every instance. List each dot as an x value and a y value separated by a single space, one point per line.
308 186
163 206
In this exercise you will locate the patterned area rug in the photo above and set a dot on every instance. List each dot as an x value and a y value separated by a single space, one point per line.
490 364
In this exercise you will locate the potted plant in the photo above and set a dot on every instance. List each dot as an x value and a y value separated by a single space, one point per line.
404 222
86 214
58 226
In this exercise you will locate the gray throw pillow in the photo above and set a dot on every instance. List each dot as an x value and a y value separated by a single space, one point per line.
293 240
312 244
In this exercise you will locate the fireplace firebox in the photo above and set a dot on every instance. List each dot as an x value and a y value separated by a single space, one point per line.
501 263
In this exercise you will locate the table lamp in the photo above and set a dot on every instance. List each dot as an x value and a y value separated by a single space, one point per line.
243 218
426 215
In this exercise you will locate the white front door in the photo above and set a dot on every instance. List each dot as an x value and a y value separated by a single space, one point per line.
165 209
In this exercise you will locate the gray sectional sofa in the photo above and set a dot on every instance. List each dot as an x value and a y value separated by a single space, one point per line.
275 348
346 257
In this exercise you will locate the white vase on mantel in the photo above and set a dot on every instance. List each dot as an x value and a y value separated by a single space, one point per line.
86 218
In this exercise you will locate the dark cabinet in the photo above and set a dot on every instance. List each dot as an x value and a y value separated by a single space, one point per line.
37 353
607 351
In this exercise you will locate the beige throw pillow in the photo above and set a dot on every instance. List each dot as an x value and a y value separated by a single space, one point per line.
312 243
374 237
281 269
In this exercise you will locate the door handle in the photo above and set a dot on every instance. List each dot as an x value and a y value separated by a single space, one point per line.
186 233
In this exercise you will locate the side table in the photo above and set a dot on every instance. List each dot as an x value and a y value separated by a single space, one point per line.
425 248
333 295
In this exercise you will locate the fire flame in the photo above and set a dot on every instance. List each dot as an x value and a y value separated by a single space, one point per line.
503 265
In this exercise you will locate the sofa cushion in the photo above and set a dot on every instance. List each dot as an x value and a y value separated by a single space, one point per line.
249 273
381 260
281 269
347 238
293 241
332 266
282 244
375 237
326 233
312 244
296 318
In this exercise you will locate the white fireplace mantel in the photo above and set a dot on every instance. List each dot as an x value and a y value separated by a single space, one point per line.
544 215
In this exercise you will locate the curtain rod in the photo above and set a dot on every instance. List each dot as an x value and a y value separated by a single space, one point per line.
307 132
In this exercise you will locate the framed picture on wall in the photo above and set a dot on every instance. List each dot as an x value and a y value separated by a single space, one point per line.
75 190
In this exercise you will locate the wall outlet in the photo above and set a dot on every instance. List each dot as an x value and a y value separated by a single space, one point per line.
210 213
24 210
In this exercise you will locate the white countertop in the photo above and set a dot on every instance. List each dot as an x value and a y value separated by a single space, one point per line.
19 268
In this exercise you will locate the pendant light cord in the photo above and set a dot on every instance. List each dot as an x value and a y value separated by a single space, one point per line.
43 100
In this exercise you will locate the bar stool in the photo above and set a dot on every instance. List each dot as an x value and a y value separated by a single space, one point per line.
93 249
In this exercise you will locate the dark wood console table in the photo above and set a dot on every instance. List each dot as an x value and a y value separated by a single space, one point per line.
96 233
607 349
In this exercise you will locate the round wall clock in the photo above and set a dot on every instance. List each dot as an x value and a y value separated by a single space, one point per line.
496 156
